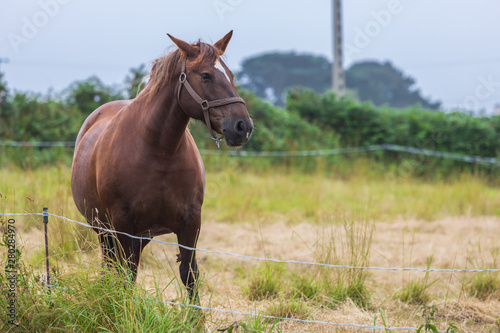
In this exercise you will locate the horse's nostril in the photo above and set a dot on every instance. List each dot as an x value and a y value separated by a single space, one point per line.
240 127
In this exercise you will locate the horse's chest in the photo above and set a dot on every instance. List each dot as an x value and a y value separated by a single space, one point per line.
167 207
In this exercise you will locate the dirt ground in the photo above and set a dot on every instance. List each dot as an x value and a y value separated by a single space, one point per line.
453 242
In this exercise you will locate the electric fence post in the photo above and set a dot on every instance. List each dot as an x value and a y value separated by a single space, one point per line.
45 222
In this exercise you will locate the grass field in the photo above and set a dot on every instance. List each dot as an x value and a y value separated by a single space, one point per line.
356 219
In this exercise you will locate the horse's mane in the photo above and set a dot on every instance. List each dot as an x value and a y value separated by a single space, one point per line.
164 68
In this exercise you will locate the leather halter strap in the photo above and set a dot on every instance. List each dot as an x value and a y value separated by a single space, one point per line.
205 104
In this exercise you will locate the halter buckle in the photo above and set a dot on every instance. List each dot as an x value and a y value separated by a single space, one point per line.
204 105
182 77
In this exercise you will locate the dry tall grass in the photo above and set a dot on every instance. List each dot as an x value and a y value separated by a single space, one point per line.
285 216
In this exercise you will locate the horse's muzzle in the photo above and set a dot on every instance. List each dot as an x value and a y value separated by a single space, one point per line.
237 133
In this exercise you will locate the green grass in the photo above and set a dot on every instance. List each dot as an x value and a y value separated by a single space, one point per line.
32 189
255 324
484 285
304 286
292 197
95 301
267 281
87 298
289 309
346 246
416 290
300 197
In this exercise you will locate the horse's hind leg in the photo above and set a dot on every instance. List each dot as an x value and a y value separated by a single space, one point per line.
188 268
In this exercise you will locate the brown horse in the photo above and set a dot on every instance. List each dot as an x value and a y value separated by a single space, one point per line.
136 168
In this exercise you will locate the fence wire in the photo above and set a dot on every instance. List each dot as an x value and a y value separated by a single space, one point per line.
38 143
404 269
300 153
294 319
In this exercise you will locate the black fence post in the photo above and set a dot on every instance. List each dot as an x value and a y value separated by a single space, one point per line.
45 222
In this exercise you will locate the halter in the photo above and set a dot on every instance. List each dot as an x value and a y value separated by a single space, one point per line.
205 105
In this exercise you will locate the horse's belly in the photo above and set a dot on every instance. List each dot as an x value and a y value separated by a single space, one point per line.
83 183
155 230
166 208
83 173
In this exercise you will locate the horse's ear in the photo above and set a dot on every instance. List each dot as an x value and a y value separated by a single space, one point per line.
186 49
222 43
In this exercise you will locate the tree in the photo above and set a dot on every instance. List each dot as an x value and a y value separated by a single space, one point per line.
270 75
3 90
383 84
89 94
5 108
28 116
133 81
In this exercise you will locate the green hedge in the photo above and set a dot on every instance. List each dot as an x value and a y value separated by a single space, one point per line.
310 121
363 124
31 117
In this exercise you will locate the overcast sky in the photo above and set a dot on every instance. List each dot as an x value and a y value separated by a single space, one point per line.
451 47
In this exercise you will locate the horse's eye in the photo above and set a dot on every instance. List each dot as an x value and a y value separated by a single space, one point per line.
206 77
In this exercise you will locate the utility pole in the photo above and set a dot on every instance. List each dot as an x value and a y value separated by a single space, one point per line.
338 83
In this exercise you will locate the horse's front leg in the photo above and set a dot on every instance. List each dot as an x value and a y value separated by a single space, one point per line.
188 268
133 254
110 249
118 253
122 250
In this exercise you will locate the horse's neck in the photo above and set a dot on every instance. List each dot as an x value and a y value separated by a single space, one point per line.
163 121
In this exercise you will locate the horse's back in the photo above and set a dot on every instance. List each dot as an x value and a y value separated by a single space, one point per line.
83 173
100 116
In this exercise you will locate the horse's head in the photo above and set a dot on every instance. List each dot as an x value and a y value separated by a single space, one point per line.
206 91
